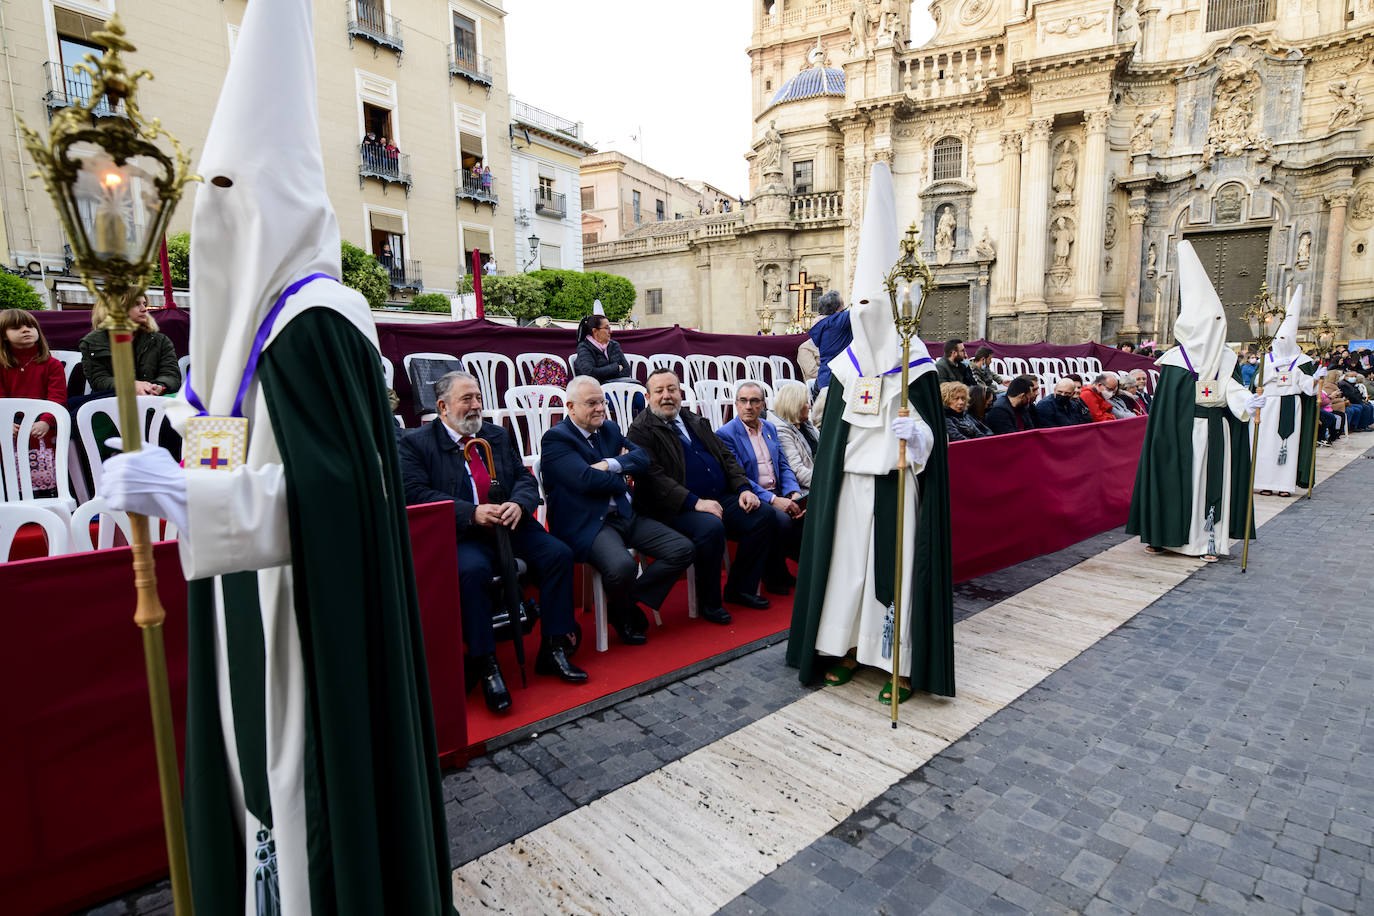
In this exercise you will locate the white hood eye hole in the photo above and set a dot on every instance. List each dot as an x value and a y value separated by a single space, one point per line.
222 181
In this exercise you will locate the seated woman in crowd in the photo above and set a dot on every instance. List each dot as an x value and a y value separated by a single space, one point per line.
155 359
598 355
1330 428
959 421
980 398
1126 403
797 437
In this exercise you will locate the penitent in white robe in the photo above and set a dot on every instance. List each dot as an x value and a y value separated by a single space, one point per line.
1269 474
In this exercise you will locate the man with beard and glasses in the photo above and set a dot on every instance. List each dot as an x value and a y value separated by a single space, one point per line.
435 470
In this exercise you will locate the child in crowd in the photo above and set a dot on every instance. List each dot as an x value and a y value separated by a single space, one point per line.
29 370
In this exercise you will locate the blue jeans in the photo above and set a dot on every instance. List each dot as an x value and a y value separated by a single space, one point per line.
1359 416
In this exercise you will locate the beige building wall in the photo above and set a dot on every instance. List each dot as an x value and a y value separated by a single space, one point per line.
546 157
610 181
432 86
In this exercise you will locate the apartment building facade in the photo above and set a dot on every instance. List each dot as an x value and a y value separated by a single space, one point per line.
546 156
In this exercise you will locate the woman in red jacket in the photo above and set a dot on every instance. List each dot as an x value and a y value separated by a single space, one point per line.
28 370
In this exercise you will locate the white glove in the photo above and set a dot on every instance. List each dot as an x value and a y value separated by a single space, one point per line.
149 482
1255 402
904 427
1320 373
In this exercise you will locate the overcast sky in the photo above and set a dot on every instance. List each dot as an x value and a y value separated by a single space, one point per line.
665 83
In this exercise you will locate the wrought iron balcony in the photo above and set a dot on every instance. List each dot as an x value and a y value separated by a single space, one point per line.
538 117
390 168
405 273
473 188
547 203
67 87
370 21
469 65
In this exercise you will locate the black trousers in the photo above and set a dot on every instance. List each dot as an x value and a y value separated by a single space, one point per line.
786 546
625 585
754 531
551 565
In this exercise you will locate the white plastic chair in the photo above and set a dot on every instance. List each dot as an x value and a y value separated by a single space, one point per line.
14 516
758 368
152 409
998 366
599 600
525 363
700 368
18 481
540 407
672 362
110 520
621 396
184 364
486 368
715 401
782 369
733 369
422 396
639 367
69 359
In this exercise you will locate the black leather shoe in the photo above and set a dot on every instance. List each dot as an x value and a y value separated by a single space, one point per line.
553 659
628 634
757 602
638 619
715 614
493 685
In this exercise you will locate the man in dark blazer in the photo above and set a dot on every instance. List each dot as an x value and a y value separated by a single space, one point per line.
696 487
435 469
754 443
1014 409
583 461
1142 392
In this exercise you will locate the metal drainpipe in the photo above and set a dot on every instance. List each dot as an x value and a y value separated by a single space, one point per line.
18 137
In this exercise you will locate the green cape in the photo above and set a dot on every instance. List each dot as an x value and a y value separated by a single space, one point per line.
932 601
377 834
1162 503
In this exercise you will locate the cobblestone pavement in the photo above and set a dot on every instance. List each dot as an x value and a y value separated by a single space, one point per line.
1214 755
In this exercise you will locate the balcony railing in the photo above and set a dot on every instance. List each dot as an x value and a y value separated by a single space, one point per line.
470 66
67 87
473 188
368 20
547 203
405 273
390 168
826 205
944 72
538 117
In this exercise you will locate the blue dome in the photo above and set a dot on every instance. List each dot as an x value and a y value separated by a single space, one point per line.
810 83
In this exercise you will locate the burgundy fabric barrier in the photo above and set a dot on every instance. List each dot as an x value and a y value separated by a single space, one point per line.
1017 496
81 813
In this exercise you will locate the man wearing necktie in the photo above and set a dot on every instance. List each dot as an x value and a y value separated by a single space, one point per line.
436 470
584 462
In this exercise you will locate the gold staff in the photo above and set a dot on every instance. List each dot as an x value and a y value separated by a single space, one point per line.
908 269
1264 317
1326 339
115 189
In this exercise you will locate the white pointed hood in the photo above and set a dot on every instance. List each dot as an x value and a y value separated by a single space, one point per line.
1286 348
877 346
262 218
1200 328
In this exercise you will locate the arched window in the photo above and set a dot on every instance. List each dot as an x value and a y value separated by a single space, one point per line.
948 159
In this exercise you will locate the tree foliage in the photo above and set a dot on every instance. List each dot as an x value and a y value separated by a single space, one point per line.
520 296
17 293
362 272
178 261
566 295
430 302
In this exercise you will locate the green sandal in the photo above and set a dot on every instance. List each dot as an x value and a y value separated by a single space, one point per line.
841 674
885 695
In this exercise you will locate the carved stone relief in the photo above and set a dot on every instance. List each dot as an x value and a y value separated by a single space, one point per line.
1361 213
1230 203
1109 230
1235 126
1128 22
974 10
1142 132
1349 104
1304 258
1073 26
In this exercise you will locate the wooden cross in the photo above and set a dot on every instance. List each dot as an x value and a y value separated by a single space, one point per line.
801 288
214 460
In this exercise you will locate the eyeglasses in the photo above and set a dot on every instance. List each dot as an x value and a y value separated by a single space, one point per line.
751 402
592 402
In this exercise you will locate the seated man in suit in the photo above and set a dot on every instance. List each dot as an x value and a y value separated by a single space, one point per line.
754 443
435 469
584 461
696 487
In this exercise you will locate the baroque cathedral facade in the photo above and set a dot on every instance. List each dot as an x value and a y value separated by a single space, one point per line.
1052 153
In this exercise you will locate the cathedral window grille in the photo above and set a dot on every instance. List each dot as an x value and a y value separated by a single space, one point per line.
1231 14
801 177
654 302
948 159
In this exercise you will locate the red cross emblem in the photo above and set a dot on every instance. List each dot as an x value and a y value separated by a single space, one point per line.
1207 391
214 460
866 397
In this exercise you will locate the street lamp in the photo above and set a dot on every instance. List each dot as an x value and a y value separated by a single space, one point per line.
115 189
534 251
1264 316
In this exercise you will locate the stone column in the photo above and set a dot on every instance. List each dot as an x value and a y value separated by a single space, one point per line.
1018 10
1135 242
1030 290
1092 214
1335 240
1004 295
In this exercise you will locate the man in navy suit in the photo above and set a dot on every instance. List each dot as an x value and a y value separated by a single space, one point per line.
754 443
435 470
584 461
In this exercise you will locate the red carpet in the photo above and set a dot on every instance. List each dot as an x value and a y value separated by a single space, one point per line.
680 642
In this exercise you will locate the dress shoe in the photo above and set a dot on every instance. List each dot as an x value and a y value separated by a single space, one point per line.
638 619
627 632
553 659
714 614
493 685
757 602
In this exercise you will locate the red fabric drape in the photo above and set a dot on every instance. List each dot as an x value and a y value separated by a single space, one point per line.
166 275
82 816
477 283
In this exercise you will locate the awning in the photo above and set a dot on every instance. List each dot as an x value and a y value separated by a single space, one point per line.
385 222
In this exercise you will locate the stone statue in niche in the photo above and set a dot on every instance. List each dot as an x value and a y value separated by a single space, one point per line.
1304 251
1349 104
944 235
1230 203
772 287
1061 236
1232 129
1109 229
1362 205
770 159
1128 22
1065 174
985 249
1142 132
858 28
1151 256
